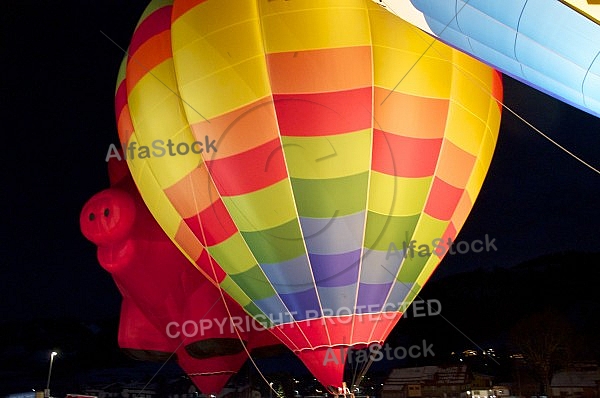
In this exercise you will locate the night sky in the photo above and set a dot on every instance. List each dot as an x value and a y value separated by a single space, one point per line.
59 73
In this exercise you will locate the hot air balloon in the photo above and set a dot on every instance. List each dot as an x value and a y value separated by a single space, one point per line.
290 148
169 309
553 46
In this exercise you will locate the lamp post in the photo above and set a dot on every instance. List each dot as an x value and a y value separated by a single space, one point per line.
47 390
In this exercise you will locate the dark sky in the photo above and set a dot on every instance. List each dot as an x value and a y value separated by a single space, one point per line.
58 76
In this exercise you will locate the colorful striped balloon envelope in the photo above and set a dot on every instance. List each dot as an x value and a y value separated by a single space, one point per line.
294 149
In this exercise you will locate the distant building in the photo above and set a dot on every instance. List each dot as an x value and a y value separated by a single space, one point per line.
454 381
579 382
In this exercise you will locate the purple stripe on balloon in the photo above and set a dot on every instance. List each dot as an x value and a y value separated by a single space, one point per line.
302 305
333 270
371 297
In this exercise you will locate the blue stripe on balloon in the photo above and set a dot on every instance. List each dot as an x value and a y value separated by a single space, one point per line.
397 298
370 297
335 269
337 301
333 235
303 305
274 309
290 276
380 267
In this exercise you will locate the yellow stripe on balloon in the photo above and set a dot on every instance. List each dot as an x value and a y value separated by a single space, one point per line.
464 128
237 70
429 228
237 86
463 208
256 211
230 255
398 196
209 17
475 182
476 100
410 73
158 119
344 24
326 157
404 59
481 167
154 197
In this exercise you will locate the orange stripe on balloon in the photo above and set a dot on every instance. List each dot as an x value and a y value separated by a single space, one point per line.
197 185
240 130
410 115
182 6
121 97
188 241
324 113
323 70
464 207
190 245
442 200
125 125
455 165
150 54
249 171
404 156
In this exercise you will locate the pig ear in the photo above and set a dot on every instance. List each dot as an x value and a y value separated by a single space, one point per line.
118 170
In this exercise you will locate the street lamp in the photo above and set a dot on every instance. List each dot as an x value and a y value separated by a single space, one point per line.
47 390
271 390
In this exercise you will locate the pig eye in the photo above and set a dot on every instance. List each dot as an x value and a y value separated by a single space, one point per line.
106 212
92 217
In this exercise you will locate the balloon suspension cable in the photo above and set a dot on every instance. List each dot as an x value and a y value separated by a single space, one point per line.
237 332
172 354
357 378
559 146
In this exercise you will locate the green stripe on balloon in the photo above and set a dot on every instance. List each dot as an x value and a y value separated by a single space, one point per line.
331 197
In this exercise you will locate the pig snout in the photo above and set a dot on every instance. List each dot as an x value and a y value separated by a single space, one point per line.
108 217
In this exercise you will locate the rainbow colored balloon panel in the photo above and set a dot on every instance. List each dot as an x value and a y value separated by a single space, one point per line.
292 150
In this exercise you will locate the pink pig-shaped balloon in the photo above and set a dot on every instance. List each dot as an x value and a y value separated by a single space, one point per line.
169 308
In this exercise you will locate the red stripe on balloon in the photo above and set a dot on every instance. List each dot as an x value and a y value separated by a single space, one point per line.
121 97
442 200
344 330
249 171
210 267
497 88
155 23
401 156
212 225
378 326
449 233
324 113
